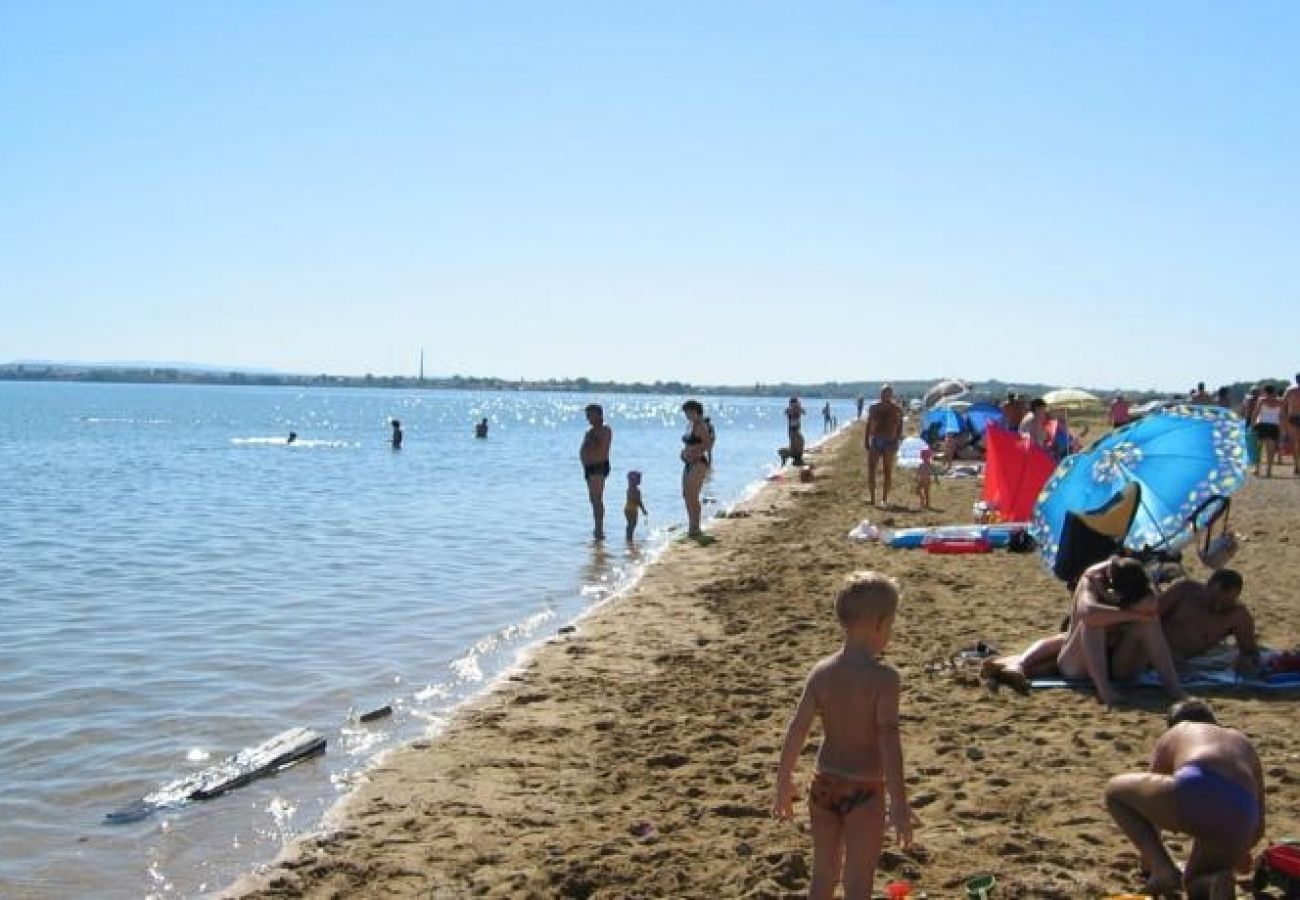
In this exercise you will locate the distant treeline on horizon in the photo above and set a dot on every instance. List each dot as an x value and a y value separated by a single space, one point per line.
905 389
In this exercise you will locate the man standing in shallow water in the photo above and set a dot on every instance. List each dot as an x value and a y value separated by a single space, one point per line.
594 455
884 433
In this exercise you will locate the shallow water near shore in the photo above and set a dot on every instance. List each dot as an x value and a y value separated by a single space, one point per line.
179 583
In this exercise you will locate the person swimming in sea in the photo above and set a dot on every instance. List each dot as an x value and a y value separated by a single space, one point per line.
481 429
293 436
397 435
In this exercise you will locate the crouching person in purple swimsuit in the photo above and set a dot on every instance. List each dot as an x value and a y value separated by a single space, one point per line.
1205 781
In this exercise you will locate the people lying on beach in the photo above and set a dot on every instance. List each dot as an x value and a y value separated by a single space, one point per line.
293 436
397 435
1267 424
861 756
1291 416
1114 630
633 504
925 475
1196 617
481 429
884 434
697 443
1205 781
594 455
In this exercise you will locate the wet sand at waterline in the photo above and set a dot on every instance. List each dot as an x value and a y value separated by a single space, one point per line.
634 757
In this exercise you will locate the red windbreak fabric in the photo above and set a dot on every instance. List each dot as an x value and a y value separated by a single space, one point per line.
1014 472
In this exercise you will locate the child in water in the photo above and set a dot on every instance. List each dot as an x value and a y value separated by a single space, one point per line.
633 504
861 757
924 475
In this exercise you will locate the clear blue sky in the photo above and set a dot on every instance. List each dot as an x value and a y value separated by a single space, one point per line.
1095 193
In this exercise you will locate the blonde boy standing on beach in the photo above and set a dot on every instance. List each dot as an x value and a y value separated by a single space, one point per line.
856 697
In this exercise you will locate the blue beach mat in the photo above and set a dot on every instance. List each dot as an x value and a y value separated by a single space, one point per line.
1195 681
1211 671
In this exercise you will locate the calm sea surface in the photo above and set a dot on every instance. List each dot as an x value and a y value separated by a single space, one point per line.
177 583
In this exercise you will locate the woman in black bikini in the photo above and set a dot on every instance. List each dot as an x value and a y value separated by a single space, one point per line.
696 445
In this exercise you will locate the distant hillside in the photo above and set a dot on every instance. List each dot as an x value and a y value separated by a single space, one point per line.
184 373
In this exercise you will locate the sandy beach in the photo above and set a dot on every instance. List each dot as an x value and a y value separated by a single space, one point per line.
634 756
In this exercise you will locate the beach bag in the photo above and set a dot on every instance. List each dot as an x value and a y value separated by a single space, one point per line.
1216 543
1279 867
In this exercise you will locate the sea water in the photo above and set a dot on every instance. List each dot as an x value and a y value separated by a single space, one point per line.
178 583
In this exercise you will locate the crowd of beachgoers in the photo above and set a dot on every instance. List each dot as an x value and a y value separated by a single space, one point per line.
1205 780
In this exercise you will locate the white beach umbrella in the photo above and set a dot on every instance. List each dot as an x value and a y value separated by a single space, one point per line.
1071 397
949 387
956 404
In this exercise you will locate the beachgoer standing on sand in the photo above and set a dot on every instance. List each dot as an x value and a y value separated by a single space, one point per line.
924 476
697 444
1268 428
861 755
1291 416
1119 411
1205 781
1034 424
1201 396
397 435
884 434
794 417
633 504
594 455
1013 411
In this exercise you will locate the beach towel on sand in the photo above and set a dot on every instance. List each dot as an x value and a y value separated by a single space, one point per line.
1211 671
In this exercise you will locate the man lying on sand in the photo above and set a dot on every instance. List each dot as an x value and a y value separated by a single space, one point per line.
1205 781
1194 617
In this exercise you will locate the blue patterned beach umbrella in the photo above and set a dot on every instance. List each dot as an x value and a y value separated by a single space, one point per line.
1180 457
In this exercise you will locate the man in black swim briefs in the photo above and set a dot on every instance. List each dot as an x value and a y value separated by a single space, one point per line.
594 456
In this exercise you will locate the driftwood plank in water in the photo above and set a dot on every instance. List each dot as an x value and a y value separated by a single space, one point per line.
281 751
